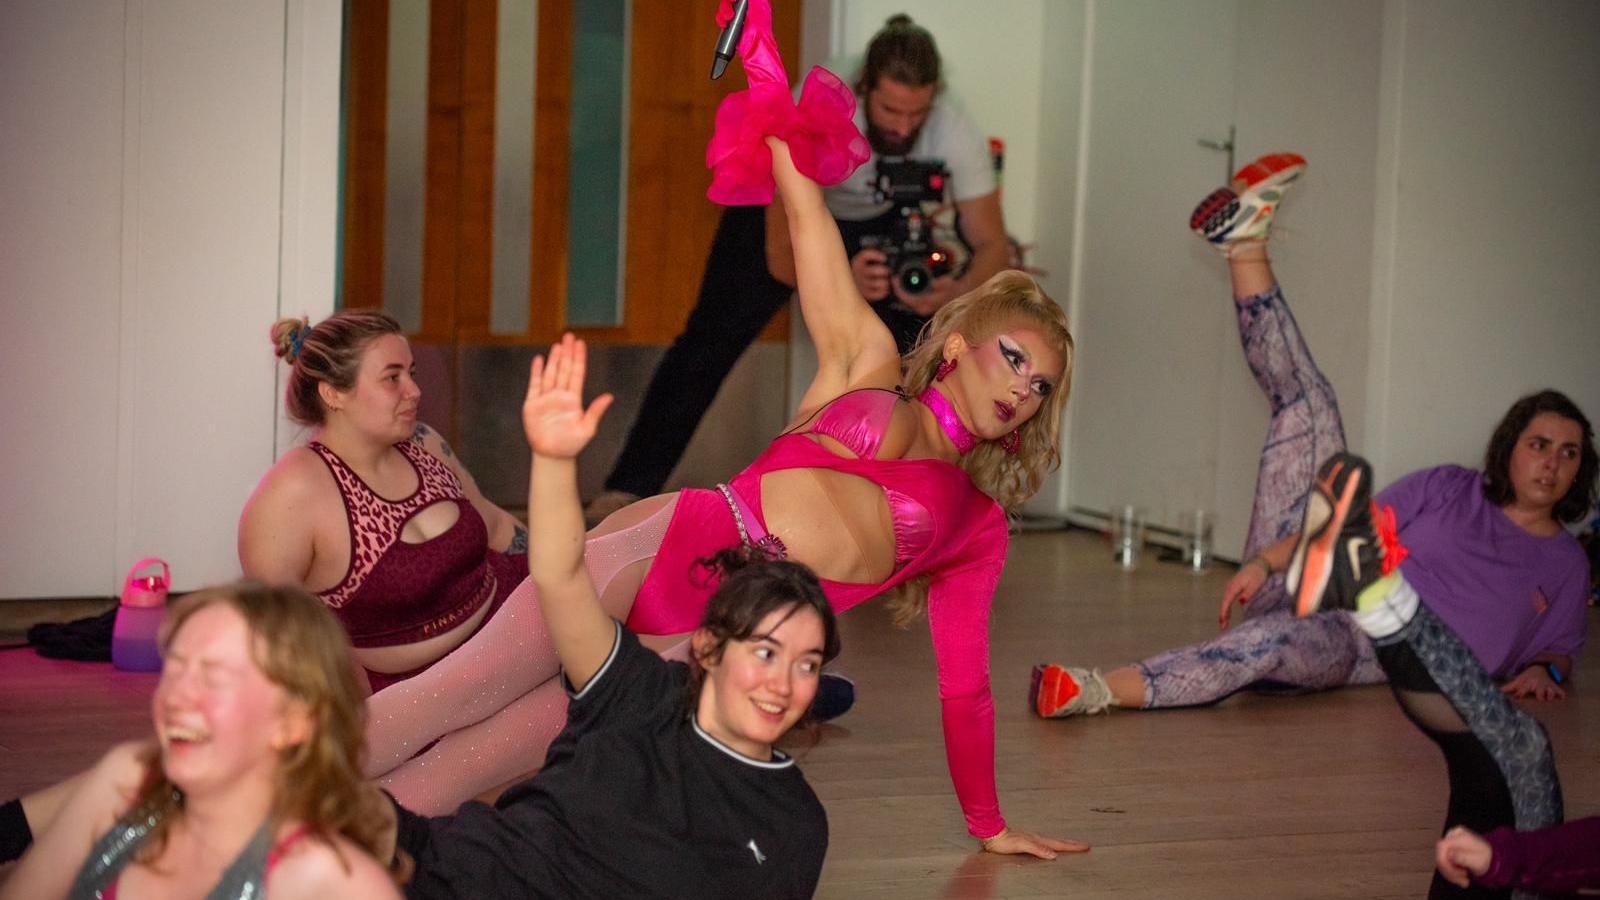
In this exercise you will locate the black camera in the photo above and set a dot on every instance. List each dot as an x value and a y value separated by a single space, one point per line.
915 259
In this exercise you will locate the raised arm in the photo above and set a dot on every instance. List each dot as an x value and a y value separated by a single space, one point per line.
558 428
850 340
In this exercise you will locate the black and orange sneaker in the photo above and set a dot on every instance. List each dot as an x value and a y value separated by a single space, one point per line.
1338 553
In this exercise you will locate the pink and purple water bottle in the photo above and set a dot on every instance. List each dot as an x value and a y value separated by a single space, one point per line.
134 638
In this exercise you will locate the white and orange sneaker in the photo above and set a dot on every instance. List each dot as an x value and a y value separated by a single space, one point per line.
1243 211
1055 692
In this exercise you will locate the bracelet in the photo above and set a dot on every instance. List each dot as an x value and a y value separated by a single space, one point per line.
1265 565
1555 673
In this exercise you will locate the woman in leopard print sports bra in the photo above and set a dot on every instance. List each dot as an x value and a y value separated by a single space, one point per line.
375 514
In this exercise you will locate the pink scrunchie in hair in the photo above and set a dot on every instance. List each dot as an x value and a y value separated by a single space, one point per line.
820 131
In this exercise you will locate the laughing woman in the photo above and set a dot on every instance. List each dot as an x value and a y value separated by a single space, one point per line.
253 787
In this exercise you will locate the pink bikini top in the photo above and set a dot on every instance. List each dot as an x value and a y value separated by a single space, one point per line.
858 420
396 592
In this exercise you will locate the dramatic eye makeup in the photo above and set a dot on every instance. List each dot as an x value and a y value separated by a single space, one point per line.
1014 356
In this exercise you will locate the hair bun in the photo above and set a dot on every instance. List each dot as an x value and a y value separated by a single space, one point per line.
898 20
287 335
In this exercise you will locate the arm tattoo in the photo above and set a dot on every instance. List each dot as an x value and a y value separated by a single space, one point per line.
519 541
419 436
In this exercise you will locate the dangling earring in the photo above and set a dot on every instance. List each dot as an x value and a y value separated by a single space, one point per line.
946 366
1011 442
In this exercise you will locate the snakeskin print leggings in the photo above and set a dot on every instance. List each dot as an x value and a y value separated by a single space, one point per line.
1272 650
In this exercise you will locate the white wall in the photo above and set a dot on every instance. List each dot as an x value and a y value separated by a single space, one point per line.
1439 253
159 206
1487 284
1059 196
60 165
1151 326
312 112
1165 413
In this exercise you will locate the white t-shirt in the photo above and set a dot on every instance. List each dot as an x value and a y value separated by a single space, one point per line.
947 134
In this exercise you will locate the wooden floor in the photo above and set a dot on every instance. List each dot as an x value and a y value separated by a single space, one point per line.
1332 795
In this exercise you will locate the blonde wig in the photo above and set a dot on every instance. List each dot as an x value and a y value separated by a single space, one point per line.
1009 299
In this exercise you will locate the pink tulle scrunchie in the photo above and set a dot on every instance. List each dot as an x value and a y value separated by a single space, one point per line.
820 131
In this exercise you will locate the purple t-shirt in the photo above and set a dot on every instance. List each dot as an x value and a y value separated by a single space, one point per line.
1509 594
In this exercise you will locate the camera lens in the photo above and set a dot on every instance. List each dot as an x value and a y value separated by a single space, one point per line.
915 278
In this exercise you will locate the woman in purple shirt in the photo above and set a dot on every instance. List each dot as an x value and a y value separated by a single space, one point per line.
1272 650
1413 567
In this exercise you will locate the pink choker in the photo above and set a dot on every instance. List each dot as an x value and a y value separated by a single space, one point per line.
948 420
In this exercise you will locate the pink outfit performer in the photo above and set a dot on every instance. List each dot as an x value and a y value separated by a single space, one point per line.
944 527
497 701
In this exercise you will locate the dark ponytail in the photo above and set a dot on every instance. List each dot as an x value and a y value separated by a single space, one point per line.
902 51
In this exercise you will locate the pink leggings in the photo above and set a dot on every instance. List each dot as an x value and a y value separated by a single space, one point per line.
491 706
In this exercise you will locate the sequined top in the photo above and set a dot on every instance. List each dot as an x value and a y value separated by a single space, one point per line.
244 879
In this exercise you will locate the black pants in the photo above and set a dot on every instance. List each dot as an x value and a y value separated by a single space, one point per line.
738 297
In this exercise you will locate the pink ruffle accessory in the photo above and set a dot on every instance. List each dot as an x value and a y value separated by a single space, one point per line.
821 133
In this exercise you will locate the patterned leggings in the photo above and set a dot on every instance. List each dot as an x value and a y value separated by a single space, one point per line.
1498 757
1272 650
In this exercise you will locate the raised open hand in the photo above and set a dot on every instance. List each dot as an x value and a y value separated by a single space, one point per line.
553 417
